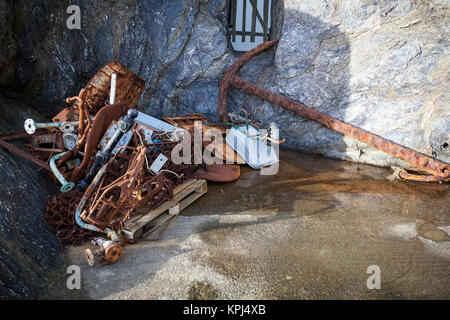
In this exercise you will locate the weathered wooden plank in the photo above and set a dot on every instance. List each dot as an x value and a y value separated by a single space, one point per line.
162 208
201 190
159 221
155 224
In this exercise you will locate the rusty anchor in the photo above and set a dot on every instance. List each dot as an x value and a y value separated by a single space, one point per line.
437 170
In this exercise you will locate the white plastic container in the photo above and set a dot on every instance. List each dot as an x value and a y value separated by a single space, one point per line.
245 140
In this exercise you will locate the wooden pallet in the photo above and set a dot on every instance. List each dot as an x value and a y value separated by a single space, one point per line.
141 225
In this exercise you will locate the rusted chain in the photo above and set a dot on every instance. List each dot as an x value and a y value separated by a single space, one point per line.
60 213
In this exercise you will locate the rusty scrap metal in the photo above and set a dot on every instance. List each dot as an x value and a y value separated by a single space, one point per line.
187 122
25 155
67 115
108 200
237 118
110 251
99 126
92 100
19 135
31 126
66 185
218 172
128 89
128 180
102 156
83 113
406 175
134 188
425 163
45 145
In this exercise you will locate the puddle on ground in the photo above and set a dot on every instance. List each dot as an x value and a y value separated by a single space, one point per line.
309 184
431 232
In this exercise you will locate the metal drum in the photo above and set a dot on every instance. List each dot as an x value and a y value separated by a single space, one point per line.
129 87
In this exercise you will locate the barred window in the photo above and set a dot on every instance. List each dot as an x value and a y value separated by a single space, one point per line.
249 23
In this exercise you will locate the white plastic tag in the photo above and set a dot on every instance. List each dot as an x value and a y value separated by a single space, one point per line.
158 163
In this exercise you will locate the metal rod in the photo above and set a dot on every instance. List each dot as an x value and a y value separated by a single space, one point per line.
266 19
111 233
25 155
233 23
16 135
244 14
31 126
255 5
112 95
234 69
254 10
85 197
417 159
102 156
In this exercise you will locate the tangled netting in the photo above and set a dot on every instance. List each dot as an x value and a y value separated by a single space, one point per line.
60 213
60 209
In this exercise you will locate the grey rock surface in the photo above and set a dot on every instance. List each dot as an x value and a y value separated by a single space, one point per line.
382 66
28 248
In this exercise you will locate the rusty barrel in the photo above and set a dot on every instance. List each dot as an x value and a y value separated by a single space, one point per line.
129 86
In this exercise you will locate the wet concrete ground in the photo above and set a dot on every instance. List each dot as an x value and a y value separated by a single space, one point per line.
309 232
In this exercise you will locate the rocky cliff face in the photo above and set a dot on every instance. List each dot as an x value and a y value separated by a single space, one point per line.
379 65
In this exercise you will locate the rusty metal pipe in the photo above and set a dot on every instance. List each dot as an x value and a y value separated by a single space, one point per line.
419 160
19 135
79 100
25 155
420 177
66 186
233 70
111 233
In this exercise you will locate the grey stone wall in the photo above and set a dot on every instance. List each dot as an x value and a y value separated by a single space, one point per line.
380 65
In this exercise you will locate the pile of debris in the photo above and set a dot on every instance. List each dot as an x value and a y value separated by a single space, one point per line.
116 164
121 169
